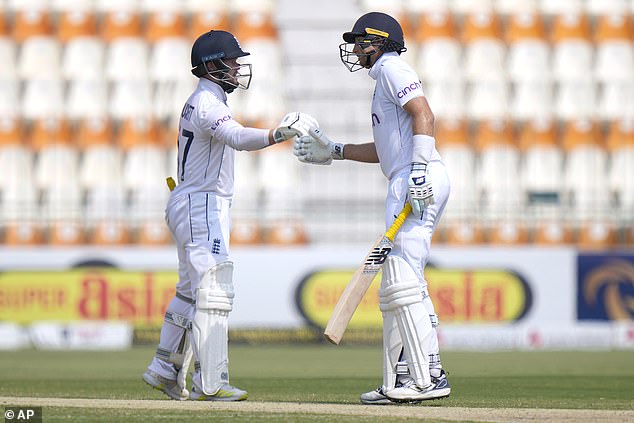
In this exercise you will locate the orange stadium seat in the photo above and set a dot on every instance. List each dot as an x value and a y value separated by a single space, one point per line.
286 233
280 205
484 49
100 180
57 179
164 24
528 64
126 52
83 55
31 23
208 19
154 6
606 7
453 143
7 51
144 179
86 99
620 145
439 55
465 7
499 183
257 33
39 49
42 99
9 98
169 62
514 7
614 66
484 55
572 67
418 8
557 7
542 175
572 47
18 206
586 181
528 50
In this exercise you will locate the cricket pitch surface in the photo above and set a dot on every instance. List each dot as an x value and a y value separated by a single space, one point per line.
426 411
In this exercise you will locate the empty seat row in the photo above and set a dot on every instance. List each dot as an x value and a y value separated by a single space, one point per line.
503 7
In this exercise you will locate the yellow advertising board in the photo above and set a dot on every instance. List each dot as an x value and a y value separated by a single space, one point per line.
460 296
86 294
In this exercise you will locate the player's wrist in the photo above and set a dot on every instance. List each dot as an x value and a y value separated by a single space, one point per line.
423 148
336 151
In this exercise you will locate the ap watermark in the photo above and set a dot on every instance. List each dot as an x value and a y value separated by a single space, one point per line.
22 414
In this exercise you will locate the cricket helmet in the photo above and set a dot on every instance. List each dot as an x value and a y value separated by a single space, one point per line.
217 47
378 30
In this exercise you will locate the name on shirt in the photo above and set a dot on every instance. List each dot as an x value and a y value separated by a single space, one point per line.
187 111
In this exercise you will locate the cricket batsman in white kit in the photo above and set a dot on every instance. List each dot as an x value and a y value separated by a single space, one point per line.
404 145
198 216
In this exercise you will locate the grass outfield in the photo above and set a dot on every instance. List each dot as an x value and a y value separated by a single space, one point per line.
317 375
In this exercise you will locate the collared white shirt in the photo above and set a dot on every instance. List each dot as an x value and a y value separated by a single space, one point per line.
396 84
207 139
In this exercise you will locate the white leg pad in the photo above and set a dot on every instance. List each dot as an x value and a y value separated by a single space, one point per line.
434 350
214 301
401 300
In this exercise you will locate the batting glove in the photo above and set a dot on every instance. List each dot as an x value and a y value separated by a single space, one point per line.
294 124
317 148
421 195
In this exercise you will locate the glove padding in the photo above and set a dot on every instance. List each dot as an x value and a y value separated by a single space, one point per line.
294 124
317 148
421 195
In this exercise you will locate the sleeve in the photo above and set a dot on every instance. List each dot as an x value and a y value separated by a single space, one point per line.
401 84
238 137
214 119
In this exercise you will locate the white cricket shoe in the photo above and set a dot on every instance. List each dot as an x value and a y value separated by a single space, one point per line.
410 392
225 393
168 386
376 397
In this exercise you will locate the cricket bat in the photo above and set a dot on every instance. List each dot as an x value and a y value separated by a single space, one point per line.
362 279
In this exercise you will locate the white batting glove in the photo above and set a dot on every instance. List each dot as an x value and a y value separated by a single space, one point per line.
421 195
294 124
317 148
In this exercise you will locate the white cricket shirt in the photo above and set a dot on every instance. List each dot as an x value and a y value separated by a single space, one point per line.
396 84
207 139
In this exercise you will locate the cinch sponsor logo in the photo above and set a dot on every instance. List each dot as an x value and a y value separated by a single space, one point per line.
465 296
217 123
413 86
605 287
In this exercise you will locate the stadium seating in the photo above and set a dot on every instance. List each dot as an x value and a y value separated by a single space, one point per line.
536 95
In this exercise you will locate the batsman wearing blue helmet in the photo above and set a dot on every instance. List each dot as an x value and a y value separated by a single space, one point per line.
404 145
197 214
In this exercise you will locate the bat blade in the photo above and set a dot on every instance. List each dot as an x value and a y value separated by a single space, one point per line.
356 289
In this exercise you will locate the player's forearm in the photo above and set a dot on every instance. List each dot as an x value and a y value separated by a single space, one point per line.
242 138
361 153
422 116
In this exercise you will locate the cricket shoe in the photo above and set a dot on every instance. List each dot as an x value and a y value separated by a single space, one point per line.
410 392
168 386
225 393
376 397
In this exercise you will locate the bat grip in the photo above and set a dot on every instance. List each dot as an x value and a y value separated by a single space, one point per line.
391 232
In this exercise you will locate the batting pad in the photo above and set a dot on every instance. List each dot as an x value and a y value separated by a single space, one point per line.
402 308
214 301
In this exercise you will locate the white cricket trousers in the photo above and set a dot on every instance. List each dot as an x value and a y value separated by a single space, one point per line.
413 241
200 225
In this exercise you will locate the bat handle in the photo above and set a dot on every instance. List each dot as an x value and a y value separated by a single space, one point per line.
391 232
